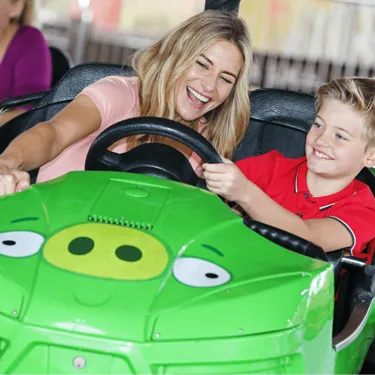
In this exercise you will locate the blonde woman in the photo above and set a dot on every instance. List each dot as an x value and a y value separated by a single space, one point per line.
197 75
25 61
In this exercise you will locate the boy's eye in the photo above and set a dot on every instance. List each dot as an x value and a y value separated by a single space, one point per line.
203 66
340 137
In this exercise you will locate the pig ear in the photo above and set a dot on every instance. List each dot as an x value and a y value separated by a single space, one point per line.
20 244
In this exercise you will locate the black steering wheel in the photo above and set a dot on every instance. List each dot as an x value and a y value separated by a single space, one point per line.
154 159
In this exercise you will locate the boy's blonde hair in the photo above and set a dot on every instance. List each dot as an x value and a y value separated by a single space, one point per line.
358 93
160 66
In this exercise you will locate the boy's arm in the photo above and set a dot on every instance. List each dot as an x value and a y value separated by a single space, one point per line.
227 180
327 233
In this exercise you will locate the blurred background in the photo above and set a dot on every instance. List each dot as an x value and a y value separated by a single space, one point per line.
298 44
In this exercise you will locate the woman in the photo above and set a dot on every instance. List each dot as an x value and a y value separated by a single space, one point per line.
197 75
25 60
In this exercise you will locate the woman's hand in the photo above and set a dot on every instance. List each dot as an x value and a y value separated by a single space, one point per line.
227 180
12 180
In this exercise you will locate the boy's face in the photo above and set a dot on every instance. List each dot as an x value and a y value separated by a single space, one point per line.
334 145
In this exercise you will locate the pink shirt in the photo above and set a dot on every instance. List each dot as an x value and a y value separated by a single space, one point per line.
116 98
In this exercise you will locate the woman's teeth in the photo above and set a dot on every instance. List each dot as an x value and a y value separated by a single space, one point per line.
202 98
321 155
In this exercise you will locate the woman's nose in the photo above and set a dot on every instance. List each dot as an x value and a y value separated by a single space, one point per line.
209 82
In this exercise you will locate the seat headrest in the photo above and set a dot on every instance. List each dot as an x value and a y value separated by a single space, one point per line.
277 105
280 120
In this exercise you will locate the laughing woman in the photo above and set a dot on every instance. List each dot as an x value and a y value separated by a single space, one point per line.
197 75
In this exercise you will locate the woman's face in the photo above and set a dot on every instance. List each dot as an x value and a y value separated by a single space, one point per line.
9 10
209 81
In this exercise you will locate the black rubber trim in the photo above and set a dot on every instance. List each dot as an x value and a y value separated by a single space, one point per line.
19 101
287 240
355 324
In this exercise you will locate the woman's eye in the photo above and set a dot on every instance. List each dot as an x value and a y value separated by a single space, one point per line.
226 80
317 125
204 66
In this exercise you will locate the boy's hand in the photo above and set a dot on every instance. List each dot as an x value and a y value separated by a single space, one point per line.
226 180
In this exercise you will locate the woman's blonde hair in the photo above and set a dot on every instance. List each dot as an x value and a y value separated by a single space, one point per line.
160 66
28 15
358 93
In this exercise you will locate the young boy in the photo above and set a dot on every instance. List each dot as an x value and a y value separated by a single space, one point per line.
315 197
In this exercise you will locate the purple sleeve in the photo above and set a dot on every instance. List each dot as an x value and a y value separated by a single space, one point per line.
33 69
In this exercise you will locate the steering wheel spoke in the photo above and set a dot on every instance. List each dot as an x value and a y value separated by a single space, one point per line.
110 159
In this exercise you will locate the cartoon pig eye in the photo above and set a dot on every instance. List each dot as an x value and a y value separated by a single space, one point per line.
199 272
20 244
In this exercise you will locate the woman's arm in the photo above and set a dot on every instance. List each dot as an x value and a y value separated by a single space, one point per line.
101 104
45 141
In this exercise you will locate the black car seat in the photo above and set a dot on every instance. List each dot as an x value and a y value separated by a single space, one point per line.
73 82
61 63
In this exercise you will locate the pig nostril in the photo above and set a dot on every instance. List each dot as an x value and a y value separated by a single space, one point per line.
128 253
81 246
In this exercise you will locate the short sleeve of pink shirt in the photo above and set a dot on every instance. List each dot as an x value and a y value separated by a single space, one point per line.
116 99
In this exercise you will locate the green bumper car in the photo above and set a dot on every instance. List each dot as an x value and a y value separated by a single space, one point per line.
146 272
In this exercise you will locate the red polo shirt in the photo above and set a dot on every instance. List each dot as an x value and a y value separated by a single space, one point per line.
284 180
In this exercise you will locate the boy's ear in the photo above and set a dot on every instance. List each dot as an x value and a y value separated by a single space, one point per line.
369 161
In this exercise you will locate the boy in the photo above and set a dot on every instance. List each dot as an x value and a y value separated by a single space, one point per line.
315 197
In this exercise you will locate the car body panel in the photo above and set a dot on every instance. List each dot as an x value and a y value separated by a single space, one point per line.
125 273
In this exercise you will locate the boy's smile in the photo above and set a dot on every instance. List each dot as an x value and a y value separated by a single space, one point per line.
321 155
335 146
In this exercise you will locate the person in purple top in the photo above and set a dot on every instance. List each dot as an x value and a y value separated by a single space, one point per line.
25 59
